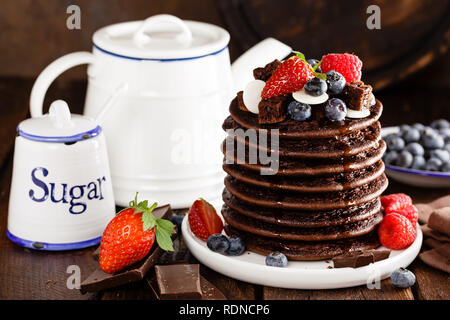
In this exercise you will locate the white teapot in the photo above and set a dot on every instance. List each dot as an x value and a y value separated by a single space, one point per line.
161 89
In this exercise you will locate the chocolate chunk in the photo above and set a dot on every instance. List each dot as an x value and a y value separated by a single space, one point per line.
272 110
356 95
265 73
360 258
240 101
100 280
176 281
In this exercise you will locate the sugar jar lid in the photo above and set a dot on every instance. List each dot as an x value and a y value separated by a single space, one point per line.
161 37
59 125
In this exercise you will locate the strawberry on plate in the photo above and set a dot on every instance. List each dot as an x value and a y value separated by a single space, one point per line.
395 201
290 76
346 64
396 232
203 220
130 235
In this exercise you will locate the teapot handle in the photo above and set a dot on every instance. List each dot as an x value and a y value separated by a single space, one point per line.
50 73
259 55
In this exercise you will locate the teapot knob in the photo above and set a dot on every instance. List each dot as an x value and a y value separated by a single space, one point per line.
60 114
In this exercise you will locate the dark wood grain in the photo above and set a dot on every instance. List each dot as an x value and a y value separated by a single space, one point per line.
431 284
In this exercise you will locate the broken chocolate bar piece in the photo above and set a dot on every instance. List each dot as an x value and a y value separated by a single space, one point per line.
272 110
100 280
360 258
356 95
176 281
240 101
265 73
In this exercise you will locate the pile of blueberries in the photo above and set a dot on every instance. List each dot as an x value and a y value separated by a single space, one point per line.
420 147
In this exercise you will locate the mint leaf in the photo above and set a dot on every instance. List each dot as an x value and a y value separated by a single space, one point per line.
166 225
300 55
148 221
163 239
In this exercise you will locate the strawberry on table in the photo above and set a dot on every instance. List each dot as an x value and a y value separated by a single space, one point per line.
130 235
346 64
289 77
203 220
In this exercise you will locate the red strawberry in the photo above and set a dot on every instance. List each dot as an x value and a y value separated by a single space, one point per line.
346 64
410 212
203 220
289 77
129 237
394 202
396 232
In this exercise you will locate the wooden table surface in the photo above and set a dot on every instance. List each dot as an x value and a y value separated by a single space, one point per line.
27 274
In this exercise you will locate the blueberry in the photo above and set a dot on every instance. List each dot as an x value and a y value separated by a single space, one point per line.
335 82
429 131
418 126
444 133
335 109
299 111
237 246
433 164
390 157
403 278
316 86
432 141
313 62
440 124
445 167
447 147
372 99
411 135
440 154
395 143
404 127
418 163
276 259
404 159
415 148
218 243
447 140
177 219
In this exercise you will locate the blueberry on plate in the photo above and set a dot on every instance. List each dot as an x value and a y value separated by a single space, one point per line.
411 135
395 143
237 246
313 62
276 259
404 127
335 82
335 109
390 157
433 164
440 124
432 140
218 243
418 126
445 167
442 155
299 111
316 87
447 147
418 163
404 159
415 148
444 133
403 278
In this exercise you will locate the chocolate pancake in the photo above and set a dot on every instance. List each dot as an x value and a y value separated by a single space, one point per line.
306 250
322 183
349 230
343 145
290 167
303 219
268 197
317 127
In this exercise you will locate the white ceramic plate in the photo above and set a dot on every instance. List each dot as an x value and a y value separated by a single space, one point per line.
251 267
418 178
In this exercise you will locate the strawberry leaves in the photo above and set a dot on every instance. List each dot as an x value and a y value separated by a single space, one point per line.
319 75
163 228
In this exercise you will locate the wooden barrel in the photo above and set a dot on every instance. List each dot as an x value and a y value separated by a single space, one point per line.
413 33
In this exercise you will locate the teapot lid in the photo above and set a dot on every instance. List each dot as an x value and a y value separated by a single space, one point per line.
163 38
59 125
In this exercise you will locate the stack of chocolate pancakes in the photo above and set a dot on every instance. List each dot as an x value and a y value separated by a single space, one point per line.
323 200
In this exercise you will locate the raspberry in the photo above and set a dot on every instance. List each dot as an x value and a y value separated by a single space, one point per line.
396 201
396 232
346 64
410 212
